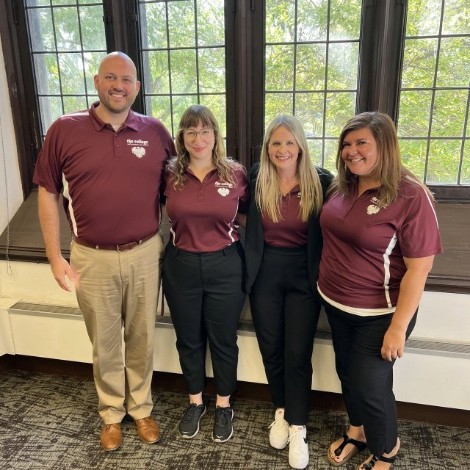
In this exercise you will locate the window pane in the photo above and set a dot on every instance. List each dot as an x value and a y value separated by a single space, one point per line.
339 108
92 31
345 21
181 23
312 21
315 149
91 63
456 17
413 155
156 73
279 68
72 76
419 62
454 62
179 104
41 31
277 103
217 103
46 70
210 20
309 110
67 31
153 14
51 109
183 71
311 61
160 107
423 17
342 66
449 113
443 161
280 21
74 103
329 159
211 63
415 113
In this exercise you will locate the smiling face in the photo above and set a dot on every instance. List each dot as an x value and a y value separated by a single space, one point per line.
199 142
283 150
117 86
360 153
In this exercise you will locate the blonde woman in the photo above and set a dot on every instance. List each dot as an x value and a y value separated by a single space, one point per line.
283 246
203 264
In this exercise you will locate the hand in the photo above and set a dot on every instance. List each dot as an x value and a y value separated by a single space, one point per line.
394 344
64 274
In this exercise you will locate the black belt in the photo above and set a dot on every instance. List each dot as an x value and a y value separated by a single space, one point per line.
123 247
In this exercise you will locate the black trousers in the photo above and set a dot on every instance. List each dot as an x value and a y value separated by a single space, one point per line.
285 312
205 297
366 379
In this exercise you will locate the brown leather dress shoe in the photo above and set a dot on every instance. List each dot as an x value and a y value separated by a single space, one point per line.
111 436
148 429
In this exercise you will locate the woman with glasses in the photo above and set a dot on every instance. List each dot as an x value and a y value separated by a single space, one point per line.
203 264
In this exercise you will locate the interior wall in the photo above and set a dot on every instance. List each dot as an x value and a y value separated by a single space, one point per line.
11 192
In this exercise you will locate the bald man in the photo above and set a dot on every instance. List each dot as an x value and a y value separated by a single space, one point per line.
107 162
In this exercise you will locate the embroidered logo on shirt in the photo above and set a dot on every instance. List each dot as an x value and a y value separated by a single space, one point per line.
139 152
374 208
223 188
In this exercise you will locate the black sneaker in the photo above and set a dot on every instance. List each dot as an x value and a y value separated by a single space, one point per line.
223 428
189 424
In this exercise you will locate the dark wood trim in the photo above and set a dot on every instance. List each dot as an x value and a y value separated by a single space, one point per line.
246 390
381 54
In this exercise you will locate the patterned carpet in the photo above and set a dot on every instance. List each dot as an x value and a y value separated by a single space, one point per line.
50 422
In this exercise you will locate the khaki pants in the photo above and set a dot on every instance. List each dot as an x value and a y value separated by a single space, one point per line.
117 294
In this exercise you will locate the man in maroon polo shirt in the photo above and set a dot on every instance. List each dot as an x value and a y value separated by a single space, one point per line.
107 162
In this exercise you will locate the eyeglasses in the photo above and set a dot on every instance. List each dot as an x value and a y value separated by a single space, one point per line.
205 134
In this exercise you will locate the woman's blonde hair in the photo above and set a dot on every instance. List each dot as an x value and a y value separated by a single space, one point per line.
268 192
389 169
193 116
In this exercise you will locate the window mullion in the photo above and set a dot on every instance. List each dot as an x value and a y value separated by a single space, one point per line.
382 39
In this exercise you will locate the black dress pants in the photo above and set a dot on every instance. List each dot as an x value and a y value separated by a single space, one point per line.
366 378
205 297
285 312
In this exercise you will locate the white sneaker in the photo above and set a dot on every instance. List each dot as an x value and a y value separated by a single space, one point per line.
279 430
298 447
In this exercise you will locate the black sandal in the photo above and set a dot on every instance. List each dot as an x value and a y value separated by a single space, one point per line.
359 447
371 464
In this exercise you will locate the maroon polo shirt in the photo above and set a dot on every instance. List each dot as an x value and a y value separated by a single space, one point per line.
202 214
363 246
289 231
110 180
